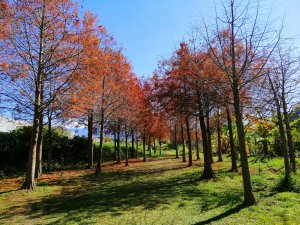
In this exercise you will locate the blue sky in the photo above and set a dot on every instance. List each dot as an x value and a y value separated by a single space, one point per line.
151 29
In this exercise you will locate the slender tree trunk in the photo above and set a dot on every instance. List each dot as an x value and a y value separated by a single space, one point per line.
149 145
137 149
187 122
265 146
175 142
231 142
288 133
209 136
281 130
208 172
29 182
118 144
132 144
115 145
144 146
99 161
220 159
90 141
183 144
39 157
29 179
283 142
197 141
126 146
159 148
248 191
49 144
39 165
154 145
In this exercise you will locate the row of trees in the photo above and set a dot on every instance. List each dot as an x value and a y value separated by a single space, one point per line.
57 64
233 66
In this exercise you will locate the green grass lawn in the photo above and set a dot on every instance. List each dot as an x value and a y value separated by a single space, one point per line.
161 191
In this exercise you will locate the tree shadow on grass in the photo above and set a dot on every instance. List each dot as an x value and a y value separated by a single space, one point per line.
118 192
222 215
5 192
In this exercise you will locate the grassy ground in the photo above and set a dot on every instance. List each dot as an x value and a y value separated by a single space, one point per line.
162 191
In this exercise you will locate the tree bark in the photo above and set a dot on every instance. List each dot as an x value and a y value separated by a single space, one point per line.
220 159
175 142
209 136
288 132
183 145
144 147
90 141
208 172
248 191
29 182
118 144
137 149
132 144
115 145
39 159
149 145
281 130
49 144
265 146
187 122
99 161
197 141
159 148
126 146
231 142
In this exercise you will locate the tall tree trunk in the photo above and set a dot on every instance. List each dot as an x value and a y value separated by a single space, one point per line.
126 146
281 129
231 142
248 191
208 172
183 144
220 159
115 145
159 147
39 156
99 161
187 122
29 182
149 145
137 149
118 144
144 146
90 141
50 144
132 143
39 159
288 132
175 141
154 145
209 136
265 146
197 141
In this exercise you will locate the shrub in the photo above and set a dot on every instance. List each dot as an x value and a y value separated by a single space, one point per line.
291 183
